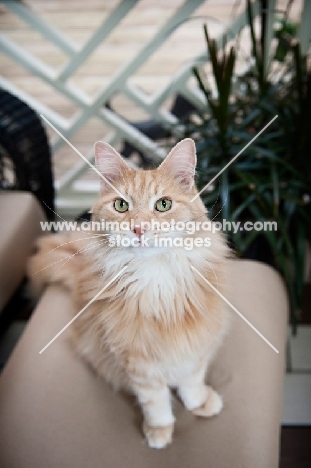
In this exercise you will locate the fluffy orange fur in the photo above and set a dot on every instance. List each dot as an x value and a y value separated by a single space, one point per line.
159 324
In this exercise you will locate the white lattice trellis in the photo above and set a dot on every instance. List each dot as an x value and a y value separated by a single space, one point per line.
68 196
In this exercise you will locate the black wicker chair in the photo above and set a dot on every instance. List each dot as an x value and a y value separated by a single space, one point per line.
25 158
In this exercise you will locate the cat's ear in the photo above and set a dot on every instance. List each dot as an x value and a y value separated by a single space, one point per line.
181 162
109 163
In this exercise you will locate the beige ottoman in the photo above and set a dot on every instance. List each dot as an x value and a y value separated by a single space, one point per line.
56 413
20 216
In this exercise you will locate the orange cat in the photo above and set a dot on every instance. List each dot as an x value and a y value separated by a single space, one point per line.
158 325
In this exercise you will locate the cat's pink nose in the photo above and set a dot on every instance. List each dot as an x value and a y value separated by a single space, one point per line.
138 231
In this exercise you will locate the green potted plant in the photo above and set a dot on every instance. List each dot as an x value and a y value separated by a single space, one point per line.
271 180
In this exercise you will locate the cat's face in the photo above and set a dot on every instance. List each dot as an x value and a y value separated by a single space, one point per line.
144 206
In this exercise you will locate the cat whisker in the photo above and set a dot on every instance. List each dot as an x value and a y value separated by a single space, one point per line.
194 219
221 207
48 266
84 249
216 277
58 261
217 196
75 240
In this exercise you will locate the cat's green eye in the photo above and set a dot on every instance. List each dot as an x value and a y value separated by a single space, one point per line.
121 205
164 204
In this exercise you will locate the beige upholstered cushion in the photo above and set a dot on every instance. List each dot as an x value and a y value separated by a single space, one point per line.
20 214
54 412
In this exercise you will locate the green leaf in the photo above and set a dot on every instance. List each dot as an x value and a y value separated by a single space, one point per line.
201 84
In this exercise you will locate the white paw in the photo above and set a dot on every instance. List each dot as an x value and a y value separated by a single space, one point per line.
158 437
212 406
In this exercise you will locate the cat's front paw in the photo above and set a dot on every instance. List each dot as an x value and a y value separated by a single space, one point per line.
159 436
212 406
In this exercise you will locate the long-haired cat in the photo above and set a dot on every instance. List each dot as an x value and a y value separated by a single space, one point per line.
159 324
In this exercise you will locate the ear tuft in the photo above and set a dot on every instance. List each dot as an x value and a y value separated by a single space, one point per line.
109 163
181 162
